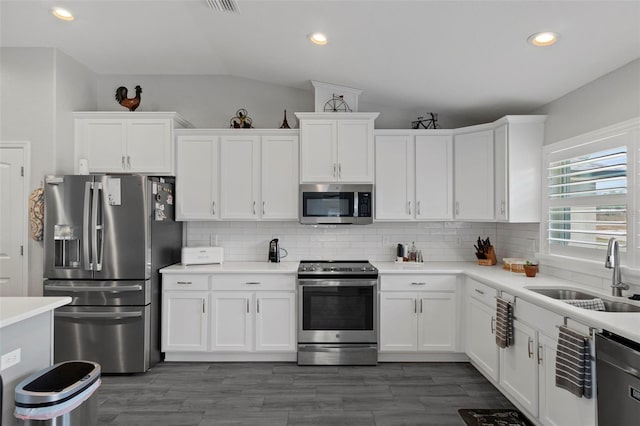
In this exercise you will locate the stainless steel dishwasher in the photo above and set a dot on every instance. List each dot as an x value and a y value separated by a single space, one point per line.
618 379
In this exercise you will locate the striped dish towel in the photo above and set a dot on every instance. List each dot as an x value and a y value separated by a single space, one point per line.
593 304
573 363
504 323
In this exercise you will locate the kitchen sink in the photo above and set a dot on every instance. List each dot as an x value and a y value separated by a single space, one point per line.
567 293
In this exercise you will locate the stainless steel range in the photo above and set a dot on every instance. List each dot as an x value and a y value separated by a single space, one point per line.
337 313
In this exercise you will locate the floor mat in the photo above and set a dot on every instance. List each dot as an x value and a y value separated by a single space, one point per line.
499 417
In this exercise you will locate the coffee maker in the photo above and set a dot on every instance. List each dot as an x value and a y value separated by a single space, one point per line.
274 251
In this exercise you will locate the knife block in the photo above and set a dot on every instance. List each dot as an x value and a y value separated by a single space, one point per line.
491 258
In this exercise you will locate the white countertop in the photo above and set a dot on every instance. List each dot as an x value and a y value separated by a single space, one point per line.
626 324
16 309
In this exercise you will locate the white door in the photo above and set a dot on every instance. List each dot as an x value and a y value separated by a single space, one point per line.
355 150
13 217
398 322
231 321
279 178
184 321
149 146
519 368
197 178
275 321
481 340
559 407
240 177
318 157
437 323
434 177
473 176
394 177
105 141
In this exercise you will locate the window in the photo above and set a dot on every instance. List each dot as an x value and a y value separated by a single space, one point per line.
590 194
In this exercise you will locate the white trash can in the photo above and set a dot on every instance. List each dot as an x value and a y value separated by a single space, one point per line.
61 395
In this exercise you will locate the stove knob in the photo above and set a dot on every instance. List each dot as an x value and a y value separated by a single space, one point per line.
312 269
364 269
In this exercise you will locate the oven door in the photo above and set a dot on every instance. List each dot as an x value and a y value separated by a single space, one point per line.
337 311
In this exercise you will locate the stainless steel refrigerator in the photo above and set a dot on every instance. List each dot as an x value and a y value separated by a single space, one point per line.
105 238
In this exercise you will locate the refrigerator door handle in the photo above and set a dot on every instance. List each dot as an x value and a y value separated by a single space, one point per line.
88 193
99 227
94 229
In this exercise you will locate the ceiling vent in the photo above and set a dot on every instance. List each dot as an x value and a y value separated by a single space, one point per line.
223 5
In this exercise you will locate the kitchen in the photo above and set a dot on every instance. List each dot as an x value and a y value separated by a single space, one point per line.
53 77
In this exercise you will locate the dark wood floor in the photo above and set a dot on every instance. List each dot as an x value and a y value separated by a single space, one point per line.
286 394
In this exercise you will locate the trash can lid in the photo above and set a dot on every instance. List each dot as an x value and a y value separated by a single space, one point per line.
56 384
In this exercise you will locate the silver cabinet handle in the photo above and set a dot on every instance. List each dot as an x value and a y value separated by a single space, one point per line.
493 325
340 170
257 306
213 208
539 354
247 305
530 347
334 169
128 162
457 207
502 207
123 165
254 208
409 205
203 306
479 291
420 305
418 207
263 208
252 282
418 283
184 282
415 306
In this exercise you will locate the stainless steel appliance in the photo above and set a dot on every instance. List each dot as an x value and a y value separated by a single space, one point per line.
618 379
337 313
334 203
105 239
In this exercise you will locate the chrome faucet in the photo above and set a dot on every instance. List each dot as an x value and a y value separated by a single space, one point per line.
612 261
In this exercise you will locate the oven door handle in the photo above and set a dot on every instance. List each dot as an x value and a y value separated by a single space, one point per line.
318 348
337 283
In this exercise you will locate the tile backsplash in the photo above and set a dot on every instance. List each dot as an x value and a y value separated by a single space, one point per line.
439 241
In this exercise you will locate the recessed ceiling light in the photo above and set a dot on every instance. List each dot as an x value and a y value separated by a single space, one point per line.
318 38
546 38
61 13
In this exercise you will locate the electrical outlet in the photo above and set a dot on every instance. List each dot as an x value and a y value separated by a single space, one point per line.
213 239
385 240
10 359
459 241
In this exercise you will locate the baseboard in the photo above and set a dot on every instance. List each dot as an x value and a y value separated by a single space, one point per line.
230 357
422 357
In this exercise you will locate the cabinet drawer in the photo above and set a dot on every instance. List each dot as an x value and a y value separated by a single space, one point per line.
418 283
185 282
482 292
253 282
540 318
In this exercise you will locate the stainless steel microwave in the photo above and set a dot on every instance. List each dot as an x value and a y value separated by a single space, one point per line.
335 203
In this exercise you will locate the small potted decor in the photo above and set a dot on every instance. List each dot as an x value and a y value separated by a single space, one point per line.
530 268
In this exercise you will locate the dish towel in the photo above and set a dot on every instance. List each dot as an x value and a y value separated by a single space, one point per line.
573 363
504 323
593 304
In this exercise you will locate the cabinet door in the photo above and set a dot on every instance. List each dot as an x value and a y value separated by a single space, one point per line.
473 176
231 321
398 322
197 178
105 143
355 151
519 368
184 321
275 321
501 176
394 178
150 146
437 322
434 177
279 178
559 407
480 338
318 156
240 177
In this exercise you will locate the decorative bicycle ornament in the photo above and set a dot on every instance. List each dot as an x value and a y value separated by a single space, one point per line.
426 123
241 120
336 104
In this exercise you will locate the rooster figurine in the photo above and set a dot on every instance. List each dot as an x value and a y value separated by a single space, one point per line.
131 103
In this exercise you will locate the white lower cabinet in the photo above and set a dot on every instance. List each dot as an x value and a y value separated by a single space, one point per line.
418 321
205 317
481 345
519 368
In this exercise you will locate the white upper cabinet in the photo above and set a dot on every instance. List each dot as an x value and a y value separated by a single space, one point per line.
473 176
125 142
237 174
336 147
197 177
518 152
414 175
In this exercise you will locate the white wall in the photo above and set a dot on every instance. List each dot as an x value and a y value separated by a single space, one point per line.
40 87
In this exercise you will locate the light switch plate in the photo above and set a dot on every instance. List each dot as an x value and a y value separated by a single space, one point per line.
10 359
